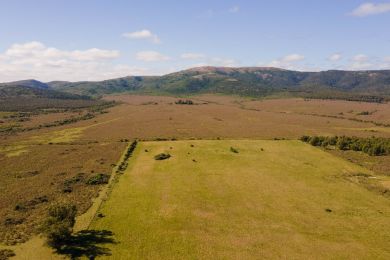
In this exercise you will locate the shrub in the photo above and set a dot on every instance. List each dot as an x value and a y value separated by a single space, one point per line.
19 207
162 156
59 224
13 221
315 141
75 179
233 150
6 253
184 102
100 178
305 138
342 144
67 189
364 113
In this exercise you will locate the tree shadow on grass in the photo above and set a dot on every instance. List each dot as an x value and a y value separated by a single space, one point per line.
87 243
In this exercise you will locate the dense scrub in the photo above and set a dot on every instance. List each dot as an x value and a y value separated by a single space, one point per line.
372 146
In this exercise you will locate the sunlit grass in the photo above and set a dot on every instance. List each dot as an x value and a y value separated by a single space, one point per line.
272 199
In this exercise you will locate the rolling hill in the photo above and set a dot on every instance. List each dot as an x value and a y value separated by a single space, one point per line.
16 97
27 83
245 81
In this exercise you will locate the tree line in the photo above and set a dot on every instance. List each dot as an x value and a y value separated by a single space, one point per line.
373 146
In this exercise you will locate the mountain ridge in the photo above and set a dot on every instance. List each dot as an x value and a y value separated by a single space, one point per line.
246 81
27 83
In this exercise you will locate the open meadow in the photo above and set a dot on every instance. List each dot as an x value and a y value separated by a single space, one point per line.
261 199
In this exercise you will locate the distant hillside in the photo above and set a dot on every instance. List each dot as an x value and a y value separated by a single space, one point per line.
126 84
246 81
8 91
17 98
27 83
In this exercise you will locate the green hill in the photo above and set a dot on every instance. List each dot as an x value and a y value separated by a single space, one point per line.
24 98
245 81
27 83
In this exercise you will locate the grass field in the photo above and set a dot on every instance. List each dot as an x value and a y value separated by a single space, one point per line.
272 199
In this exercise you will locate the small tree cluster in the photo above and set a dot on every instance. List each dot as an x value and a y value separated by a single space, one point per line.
373 146
59 224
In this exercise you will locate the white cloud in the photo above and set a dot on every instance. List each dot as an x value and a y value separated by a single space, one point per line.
94 54
287 62
142 35
234 9
364 62
192 56
367 9
293 58
151 56
335 57
35 60
360 58
361 62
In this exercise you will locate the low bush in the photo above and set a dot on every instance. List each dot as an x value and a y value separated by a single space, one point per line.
98 179
233 150
162 156
184 102
6 254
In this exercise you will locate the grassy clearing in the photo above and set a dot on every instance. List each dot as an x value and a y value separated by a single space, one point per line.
272 199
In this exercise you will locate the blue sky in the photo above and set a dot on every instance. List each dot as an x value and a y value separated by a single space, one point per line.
94 40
